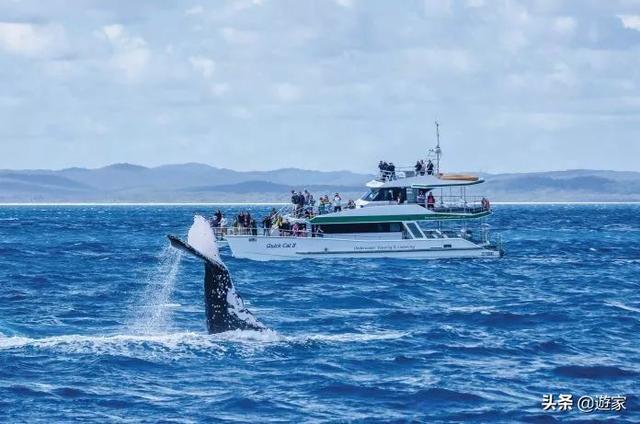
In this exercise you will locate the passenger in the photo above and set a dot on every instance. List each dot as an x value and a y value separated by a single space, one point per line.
420 198
266 223
392 171
223 225
238 223
218 217
429 167
485 204
326 204
285 228
300 208
389 196
234 226
295 229
275 227
337 203
254 227
431 201
294 201
247 220
308 198
213 222
418 167
382 166
351 204
423 167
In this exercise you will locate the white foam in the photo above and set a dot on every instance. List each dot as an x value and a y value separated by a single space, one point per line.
155 345
119 343
358 337
202 239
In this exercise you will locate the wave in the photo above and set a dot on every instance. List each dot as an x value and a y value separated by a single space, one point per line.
594 372
171 343
438 394
622 306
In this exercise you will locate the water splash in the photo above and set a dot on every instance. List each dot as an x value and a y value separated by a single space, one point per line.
153 310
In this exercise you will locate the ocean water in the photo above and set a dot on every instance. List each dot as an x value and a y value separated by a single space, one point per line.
101 322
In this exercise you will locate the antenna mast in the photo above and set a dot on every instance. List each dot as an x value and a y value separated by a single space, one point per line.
438 150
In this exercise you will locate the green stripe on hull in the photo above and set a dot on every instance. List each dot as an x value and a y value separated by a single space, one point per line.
391 218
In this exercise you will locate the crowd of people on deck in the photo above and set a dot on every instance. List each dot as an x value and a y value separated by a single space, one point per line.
242 223
276 223
388 169
424 168
304 204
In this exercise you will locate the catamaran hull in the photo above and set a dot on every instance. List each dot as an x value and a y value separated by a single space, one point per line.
268 248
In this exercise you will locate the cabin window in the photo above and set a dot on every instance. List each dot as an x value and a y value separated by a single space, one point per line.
375 227
385 194
415 231
370 196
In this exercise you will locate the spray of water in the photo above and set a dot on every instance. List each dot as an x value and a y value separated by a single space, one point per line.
152 311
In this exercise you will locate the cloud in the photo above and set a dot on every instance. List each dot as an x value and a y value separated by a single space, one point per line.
219 89
630 21
195 10
203 65
286 92
437 8
426 61
240 112
345 3
235 68
130 53
565 25
236 36
31 40
474 3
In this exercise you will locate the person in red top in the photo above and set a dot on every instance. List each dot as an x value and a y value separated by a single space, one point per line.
431 201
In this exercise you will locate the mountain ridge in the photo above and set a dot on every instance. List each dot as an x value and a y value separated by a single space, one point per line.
126 182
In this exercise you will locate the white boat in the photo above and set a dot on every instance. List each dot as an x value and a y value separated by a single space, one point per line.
391 220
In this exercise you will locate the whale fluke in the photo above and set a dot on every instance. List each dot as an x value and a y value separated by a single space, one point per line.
224 308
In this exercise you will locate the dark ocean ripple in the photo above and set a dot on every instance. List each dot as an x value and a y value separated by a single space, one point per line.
100 322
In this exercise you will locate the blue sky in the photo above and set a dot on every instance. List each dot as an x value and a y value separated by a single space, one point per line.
248 84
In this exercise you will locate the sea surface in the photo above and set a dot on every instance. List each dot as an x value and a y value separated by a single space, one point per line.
101 322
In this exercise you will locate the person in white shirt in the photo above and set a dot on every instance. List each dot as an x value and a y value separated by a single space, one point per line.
223 225
337 203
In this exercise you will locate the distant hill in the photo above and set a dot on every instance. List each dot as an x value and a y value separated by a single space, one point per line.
194 182
191 182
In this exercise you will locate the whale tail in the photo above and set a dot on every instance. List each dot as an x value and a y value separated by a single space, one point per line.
224 308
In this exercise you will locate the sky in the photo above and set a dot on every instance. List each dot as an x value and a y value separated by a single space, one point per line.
517 86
